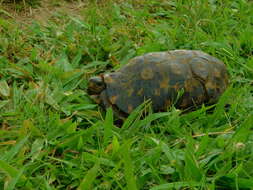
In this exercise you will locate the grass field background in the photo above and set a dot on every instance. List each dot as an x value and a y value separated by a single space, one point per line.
52 136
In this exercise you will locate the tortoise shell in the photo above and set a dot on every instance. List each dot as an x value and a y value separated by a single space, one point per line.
159 76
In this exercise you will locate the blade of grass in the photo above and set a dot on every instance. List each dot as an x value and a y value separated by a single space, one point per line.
177 185
108 124
14 173
4 88
14 150
129 167
242 134
135 115
13 182
89 178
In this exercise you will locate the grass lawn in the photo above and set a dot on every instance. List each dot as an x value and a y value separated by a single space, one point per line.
52 136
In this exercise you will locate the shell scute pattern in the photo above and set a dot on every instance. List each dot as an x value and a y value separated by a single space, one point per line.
151 85
200 68
159 76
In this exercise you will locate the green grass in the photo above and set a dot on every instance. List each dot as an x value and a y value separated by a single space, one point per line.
52 136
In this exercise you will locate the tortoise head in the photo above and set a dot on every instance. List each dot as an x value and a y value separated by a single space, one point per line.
95 85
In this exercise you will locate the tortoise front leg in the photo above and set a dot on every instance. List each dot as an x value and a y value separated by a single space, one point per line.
104 100
105 103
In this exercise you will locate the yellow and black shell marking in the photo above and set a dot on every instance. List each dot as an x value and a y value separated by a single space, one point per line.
159 76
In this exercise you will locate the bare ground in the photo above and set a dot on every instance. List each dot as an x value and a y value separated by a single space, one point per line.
42 13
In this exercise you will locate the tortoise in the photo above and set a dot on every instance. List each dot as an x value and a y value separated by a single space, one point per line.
159 77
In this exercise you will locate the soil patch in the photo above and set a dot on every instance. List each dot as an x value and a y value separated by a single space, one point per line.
42 13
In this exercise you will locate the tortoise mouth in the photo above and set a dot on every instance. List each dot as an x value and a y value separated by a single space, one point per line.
93 91
96 99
